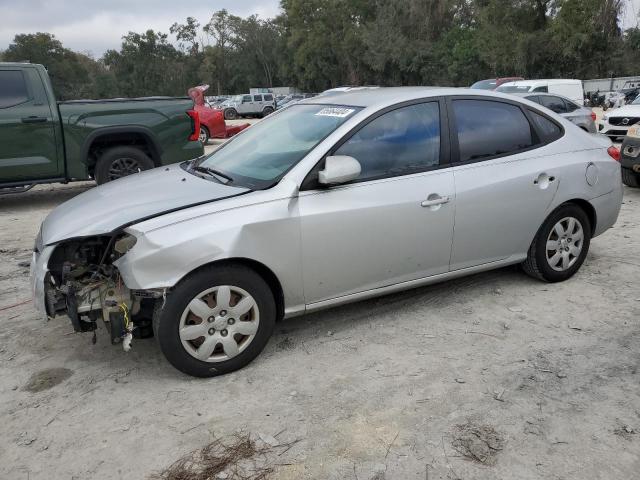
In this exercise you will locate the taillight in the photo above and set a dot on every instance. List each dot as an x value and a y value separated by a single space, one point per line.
593 116
195 125
614 153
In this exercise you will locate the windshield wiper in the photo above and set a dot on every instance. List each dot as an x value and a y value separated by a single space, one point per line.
212 171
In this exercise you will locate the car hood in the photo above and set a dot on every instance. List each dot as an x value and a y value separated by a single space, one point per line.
128 200
625 111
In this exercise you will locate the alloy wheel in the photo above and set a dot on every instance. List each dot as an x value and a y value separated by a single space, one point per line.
121 167
219 323
564 244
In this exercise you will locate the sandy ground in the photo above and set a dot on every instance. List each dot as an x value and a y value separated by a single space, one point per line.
544 377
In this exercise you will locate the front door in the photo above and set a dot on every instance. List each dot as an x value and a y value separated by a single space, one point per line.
504 181
394 223
27 128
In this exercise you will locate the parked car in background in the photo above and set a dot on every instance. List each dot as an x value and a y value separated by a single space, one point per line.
258 105
44 141
212 124
571 89
289 99
630 157
576 114
615 123
335 199
493 83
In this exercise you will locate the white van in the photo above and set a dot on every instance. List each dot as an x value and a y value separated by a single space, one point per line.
567 88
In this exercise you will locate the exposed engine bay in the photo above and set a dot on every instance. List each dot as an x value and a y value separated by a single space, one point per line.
84 284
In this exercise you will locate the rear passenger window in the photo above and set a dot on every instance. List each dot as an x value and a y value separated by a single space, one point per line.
257 98
13 88
548 129
486 129
399 142
555 104
571 107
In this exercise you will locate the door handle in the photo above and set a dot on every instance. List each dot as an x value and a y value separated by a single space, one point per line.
434 200
34 119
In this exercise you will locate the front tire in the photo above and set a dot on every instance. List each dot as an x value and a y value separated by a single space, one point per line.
216 321
230 114
267 111
560 245
118 162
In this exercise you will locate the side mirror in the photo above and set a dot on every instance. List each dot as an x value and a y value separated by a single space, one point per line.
339 169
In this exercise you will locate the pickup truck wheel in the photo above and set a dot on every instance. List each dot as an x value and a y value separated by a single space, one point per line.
118 162
230 114
204 135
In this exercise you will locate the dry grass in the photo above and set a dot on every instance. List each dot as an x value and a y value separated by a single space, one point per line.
238 458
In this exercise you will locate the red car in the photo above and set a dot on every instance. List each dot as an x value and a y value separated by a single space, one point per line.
212 124
493 83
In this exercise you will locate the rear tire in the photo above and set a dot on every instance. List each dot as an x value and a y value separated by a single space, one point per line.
118 162
182 349
230 114
571 244
630 178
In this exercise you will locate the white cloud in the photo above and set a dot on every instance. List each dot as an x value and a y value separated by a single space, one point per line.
96 26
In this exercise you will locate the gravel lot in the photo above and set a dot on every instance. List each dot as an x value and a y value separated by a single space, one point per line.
493 376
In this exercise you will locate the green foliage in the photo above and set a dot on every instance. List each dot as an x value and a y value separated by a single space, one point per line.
318 44
68 70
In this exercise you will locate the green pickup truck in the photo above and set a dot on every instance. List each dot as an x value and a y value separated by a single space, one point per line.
44 141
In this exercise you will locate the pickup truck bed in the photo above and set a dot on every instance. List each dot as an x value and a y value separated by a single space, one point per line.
47 141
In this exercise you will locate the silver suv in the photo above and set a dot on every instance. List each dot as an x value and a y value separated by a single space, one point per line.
261 104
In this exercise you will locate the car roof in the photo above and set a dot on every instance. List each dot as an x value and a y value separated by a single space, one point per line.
383 96
555 81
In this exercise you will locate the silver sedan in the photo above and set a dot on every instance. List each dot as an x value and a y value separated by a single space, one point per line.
332 200
579 115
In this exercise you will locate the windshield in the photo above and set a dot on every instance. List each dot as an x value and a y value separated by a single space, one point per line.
484 85
259 156
513 88
236 98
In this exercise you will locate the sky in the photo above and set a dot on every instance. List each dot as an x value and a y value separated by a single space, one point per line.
98 25
94 26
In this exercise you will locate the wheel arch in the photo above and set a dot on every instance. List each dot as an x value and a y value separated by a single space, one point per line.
261 269
587 208
134 136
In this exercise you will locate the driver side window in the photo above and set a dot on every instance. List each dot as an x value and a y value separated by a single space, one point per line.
399 142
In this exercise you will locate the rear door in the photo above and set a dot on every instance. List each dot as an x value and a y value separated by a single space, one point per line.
27 127
395 222
504 180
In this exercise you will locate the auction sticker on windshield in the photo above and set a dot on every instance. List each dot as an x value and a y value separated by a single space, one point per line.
335 112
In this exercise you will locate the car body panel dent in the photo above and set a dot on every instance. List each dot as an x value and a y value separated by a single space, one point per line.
268 233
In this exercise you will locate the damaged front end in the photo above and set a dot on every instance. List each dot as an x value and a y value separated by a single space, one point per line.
82 282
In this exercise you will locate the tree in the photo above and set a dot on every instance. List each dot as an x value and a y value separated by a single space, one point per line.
67 69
